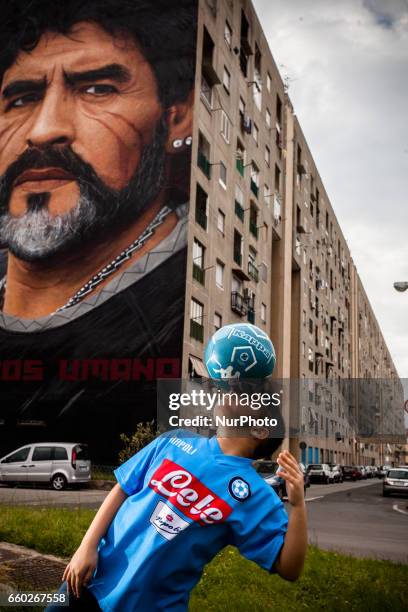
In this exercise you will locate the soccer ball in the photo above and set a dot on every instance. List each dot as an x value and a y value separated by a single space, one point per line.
239 350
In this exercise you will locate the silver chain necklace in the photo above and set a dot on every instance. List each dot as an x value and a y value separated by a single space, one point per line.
111 267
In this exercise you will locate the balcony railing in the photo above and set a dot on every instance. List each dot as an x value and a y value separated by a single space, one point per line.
254 188
196 330
201 217
238 257
204 164
199 273
253 271
240 166
253 228
238 304
239 211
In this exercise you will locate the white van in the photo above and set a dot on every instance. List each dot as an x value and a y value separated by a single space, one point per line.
57 463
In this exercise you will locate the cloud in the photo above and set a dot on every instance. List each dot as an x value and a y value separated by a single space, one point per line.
347 63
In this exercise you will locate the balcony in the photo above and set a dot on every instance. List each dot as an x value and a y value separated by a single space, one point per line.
199 274
196 330
238 304
201 217
238 257
240 166
253 271
253 228
239 211
204 164
254 188
251 316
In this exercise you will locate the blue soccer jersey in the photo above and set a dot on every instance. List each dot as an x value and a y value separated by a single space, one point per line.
186 501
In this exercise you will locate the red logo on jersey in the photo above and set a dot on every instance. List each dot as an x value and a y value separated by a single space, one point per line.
188 494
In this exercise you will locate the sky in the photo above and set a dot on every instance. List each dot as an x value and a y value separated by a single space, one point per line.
347 68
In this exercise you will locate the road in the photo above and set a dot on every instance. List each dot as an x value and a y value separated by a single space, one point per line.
358 520
351 517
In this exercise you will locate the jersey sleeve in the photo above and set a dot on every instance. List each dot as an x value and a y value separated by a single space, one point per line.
260 534
130 475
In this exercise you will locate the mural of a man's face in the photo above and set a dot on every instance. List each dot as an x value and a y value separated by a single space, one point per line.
82 140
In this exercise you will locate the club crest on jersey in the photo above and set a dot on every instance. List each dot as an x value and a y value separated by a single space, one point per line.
239 489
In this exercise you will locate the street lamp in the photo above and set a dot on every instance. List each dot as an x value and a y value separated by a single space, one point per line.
401 286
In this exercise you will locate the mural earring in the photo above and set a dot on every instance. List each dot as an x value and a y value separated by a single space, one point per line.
188 141
177 143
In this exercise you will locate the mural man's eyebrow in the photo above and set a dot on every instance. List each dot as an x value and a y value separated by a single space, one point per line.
115 72
23 86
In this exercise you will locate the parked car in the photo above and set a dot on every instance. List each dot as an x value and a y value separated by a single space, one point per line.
319 472
269 472
371 471
350 472
306 476
396 481
382 470
56 463
336 475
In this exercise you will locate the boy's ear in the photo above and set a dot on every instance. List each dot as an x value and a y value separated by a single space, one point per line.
259 433
180 126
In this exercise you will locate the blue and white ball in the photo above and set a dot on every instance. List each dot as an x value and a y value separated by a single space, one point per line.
239 350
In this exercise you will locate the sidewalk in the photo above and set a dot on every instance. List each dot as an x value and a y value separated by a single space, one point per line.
25 569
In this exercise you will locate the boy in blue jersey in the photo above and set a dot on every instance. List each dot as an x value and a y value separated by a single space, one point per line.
176 504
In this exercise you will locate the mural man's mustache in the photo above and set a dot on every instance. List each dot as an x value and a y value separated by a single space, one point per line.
37 236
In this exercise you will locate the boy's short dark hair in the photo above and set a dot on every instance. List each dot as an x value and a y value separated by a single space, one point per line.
164 30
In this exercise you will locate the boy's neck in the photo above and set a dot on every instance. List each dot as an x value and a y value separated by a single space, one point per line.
237 446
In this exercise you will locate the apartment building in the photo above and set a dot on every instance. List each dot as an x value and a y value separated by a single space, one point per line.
265 245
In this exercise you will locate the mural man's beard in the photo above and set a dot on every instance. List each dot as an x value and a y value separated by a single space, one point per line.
37 236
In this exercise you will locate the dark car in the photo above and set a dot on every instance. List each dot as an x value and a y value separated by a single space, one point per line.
351 472
268 471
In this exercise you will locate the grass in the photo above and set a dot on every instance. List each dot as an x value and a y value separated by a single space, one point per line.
330 581
101 472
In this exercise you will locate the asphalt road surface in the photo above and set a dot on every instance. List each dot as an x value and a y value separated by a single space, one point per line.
359 521
351 517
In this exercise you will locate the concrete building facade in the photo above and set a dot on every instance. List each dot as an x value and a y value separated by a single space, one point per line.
265 245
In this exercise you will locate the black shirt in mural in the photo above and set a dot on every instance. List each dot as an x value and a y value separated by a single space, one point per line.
94 377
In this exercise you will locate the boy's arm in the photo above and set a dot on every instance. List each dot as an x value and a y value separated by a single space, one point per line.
83 563
290 562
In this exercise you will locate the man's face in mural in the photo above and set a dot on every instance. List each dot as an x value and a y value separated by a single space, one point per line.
82 141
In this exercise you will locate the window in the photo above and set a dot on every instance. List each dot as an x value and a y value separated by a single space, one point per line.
42 453
253 220
221 222
196 320
226 79
228 35
241 107
303 349
239 202
268 82
277 179
217 321
206 92
60 453
257 85
203 155
304 317
267 156
263 269
311 368
263 312
254 184
20 455
201 207
237 247
225 127
198 261
219 274
240 158
223 175
255 133
268 118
